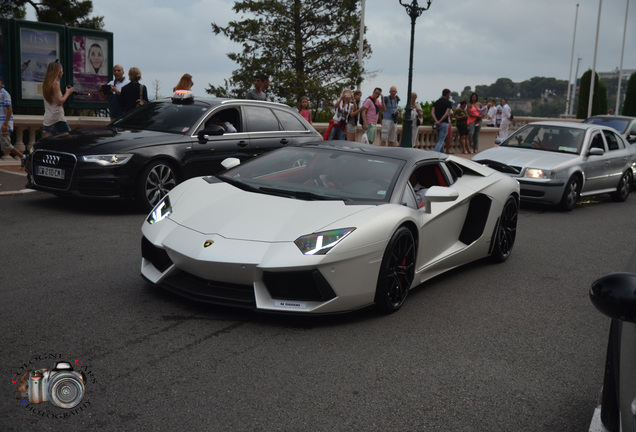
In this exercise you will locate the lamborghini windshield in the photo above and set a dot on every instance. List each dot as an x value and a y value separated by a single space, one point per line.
547 138
313 173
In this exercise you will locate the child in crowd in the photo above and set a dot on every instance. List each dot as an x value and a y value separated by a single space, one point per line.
303 109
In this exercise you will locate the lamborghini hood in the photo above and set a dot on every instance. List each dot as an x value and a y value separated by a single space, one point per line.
236 214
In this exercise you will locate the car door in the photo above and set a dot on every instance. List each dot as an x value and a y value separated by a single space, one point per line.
294 129
204 155
441 223
618 156
596 168
264 129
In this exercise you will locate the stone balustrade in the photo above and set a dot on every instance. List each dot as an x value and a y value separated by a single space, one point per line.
33 123
426 136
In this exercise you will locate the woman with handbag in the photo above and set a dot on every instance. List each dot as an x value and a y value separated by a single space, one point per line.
133 94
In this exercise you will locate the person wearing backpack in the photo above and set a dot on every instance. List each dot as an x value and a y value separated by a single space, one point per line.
371 108
389 118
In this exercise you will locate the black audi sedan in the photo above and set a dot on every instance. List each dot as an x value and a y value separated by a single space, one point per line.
160 144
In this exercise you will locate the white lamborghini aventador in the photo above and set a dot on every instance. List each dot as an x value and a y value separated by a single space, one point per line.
327 227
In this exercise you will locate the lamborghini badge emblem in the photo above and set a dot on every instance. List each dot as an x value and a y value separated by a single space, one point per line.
208 243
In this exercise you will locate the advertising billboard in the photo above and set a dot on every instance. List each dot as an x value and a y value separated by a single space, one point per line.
92 63
38 48
27 48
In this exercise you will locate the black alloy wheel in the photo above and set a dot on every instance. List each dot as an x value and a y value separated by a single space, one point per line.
396 272
156 180
506 231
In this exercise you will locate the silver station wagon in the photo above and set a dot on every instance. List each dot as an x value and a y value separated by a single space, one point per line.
559 162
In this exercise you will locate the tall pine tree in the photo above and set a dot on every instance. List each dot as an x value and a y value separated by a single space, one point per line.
307 47
599 100
629 106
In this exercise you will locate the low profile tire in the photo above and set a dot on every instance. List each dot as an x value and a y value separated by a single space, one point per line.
156 180
624 187
570 194
396 272
506 233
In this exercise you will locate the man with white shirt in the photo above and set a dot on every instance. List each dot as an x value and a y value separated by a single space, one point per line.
116 85
506 117
492 114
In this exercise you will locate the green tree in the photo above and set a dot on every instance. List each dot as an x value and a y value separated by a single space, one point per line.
599 101
629 106
72 13
537 87
307 47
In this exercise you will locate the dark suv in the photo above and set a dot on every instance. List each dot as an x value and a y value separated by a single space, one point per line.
160 144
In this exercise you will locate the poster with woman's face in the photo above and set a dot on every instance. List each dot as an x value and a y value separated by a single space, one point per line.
38 48
90 67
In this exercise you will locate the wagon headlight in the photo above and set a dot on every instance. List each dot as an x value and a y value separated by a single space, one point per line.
160 212
538 173
107 159
322 242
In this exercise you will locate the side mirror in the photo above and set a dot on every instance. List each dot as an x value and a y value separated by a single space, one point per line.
498 141
230 163
439 194
595 151
615 296
212 130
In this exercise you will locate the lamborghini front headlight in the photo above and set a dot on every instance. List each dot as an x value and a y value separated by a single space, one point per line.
322 242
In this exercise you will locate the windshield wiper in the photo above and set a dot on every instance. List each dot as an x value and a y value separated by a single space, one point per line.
295 194
239 184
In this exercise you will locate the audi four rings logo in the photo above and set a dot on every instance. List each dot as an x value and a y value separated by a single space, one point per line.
51 159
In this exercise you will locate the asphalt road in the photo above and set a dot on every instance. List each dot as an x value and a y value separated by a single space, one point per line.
488 347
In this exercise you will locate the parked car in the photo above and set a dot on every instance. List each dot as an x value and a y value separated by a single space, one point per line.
558 162
615 296
148 152
327 227
626 126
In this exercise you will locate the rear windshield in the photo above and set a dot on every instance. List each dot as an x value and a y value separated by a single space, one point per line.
618 124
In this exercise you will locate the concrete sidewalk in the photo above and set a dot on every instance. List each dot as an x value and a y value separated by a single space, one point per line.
12 178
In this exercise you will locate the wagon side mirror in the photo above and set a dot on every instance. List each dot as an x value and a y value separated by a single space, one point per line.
212 130
595 151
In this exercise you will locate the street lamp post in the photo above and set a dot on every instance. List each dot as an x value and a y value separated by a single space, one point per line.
414 11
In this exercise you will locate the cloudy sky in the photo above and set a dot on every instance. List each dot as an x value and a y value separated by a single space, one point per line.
457 43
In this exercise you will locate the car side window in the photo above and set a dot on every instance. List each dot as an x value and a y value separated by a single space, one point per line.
613 143
260 119
228 115
422 179
289 121
597 141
